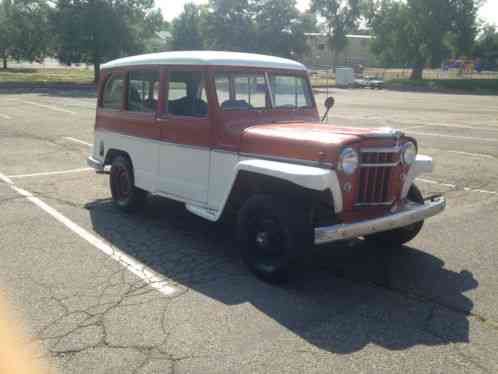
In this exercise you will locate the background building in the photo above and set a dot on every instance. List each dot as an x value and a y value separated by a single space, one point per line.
356 52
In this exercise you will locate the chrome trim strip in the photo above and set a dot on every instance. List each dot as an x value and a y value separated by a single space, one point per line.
385 132
387 165
388 203
319 164
411 213
381 150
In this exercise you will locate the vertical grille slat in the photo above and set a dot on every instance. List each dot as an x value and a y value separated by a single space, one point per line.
375 177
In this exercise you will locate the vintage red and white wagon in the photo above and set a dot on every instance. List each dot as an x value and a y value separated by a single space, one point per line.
238 136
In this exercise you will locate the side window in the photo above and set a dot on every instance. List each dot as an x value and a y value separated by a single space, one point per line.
187 94
290 92
143 91
249 91
113 92
222 88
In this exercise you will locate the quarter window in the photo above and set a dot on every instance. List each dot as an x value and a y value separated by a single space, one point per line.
143 91
290 91
113 93
187 94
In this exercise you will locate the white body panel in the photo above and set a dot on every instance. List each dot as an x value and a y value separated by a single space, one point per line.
203 178
184 171
143 153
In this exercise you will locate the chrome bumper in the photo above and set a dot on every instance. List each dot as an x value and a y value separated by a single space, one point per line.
95 164
411 213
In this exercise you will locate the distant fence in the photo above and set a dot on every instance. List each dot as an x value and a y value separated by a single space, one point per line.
325 76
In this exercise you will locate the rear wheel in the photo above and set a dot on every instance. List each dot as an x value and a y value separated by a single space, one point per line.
125 195
398 237
272 235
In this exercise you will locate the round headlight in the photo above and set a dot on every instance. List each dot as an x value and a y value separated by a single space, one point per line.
349 161
409 153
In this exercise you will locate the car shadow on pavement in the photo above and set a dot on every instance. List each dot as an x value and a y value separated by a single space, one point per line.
342 297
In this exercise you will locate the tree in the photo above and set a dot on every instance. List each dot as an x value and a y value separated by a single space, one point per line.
94 31
416 32
464 27
340 17
280 28
231 25
24 30
187 29
487 45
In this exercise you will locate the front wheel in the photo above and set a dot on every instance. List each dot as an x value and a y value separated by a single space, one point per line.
398 237
125 195
272 234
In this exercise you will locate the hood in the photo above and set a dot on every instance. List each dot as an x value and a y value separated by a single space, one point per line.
308 141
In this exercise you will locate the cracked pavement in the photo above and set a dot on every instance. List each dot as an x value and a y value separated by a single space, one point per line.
429 307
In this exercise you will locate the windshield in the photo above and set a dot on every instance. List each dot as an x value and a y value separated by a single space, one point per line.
246 91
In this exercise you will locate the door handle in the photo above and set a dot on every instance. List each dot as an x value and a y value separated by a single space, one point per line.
162 120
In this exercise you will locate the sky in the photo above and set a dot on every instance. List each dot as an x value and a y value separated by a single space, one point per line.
172 8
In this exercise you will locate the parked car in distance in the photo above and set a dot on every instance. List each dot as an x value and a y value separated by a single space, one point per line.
238 136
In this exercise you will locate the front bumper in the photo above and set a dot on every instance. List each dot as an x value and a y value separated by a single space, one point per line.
411 213
95 164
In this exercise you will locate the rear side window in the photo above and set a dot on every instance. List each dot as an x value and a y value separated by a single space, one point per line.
113 92
187 94
143 91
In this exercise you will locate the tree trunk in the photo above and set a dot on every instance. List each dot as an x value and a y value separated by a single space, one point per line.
4 59
96 70
417 72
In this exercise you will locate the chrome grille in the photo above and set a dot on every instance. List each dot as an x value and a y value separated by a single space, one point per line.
376 170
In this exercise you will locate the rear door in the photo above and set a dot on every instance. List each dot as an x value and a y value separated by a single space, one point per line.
184 151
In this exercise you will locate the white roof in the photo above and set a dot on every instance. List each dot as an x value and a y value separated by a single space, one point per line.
207 58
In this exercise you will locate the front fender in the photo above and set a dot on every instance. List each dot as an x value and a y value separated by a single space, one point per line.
309 177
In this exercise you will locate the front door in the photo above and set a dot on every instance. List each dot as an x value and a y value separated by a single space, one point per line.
184 152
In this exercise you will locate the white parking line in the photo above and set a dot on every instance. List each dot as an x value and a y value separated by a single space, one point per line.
140 270
471 154
51 107
50 173
453 186
455 136
78 141
4 116
414 127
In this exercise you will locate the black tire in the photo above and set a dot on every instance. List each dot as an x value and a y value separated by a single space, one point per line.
125 195
398 237
273 233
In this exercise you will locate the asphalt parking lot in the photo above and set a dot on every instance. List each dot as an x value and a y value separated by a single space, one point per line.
164 292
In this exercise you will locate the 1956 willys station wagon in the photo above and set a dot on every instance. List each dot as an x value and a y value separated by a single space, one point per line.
238 136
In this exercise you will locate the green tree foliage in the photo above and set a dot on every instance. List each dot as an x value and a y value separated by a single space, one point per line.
280 28
187 29
24 30
421 32
231 25
265 26
340 17
94 31
487 45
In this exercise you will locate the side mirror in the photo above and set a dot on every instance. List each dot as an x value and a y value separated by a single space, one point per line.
329 103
